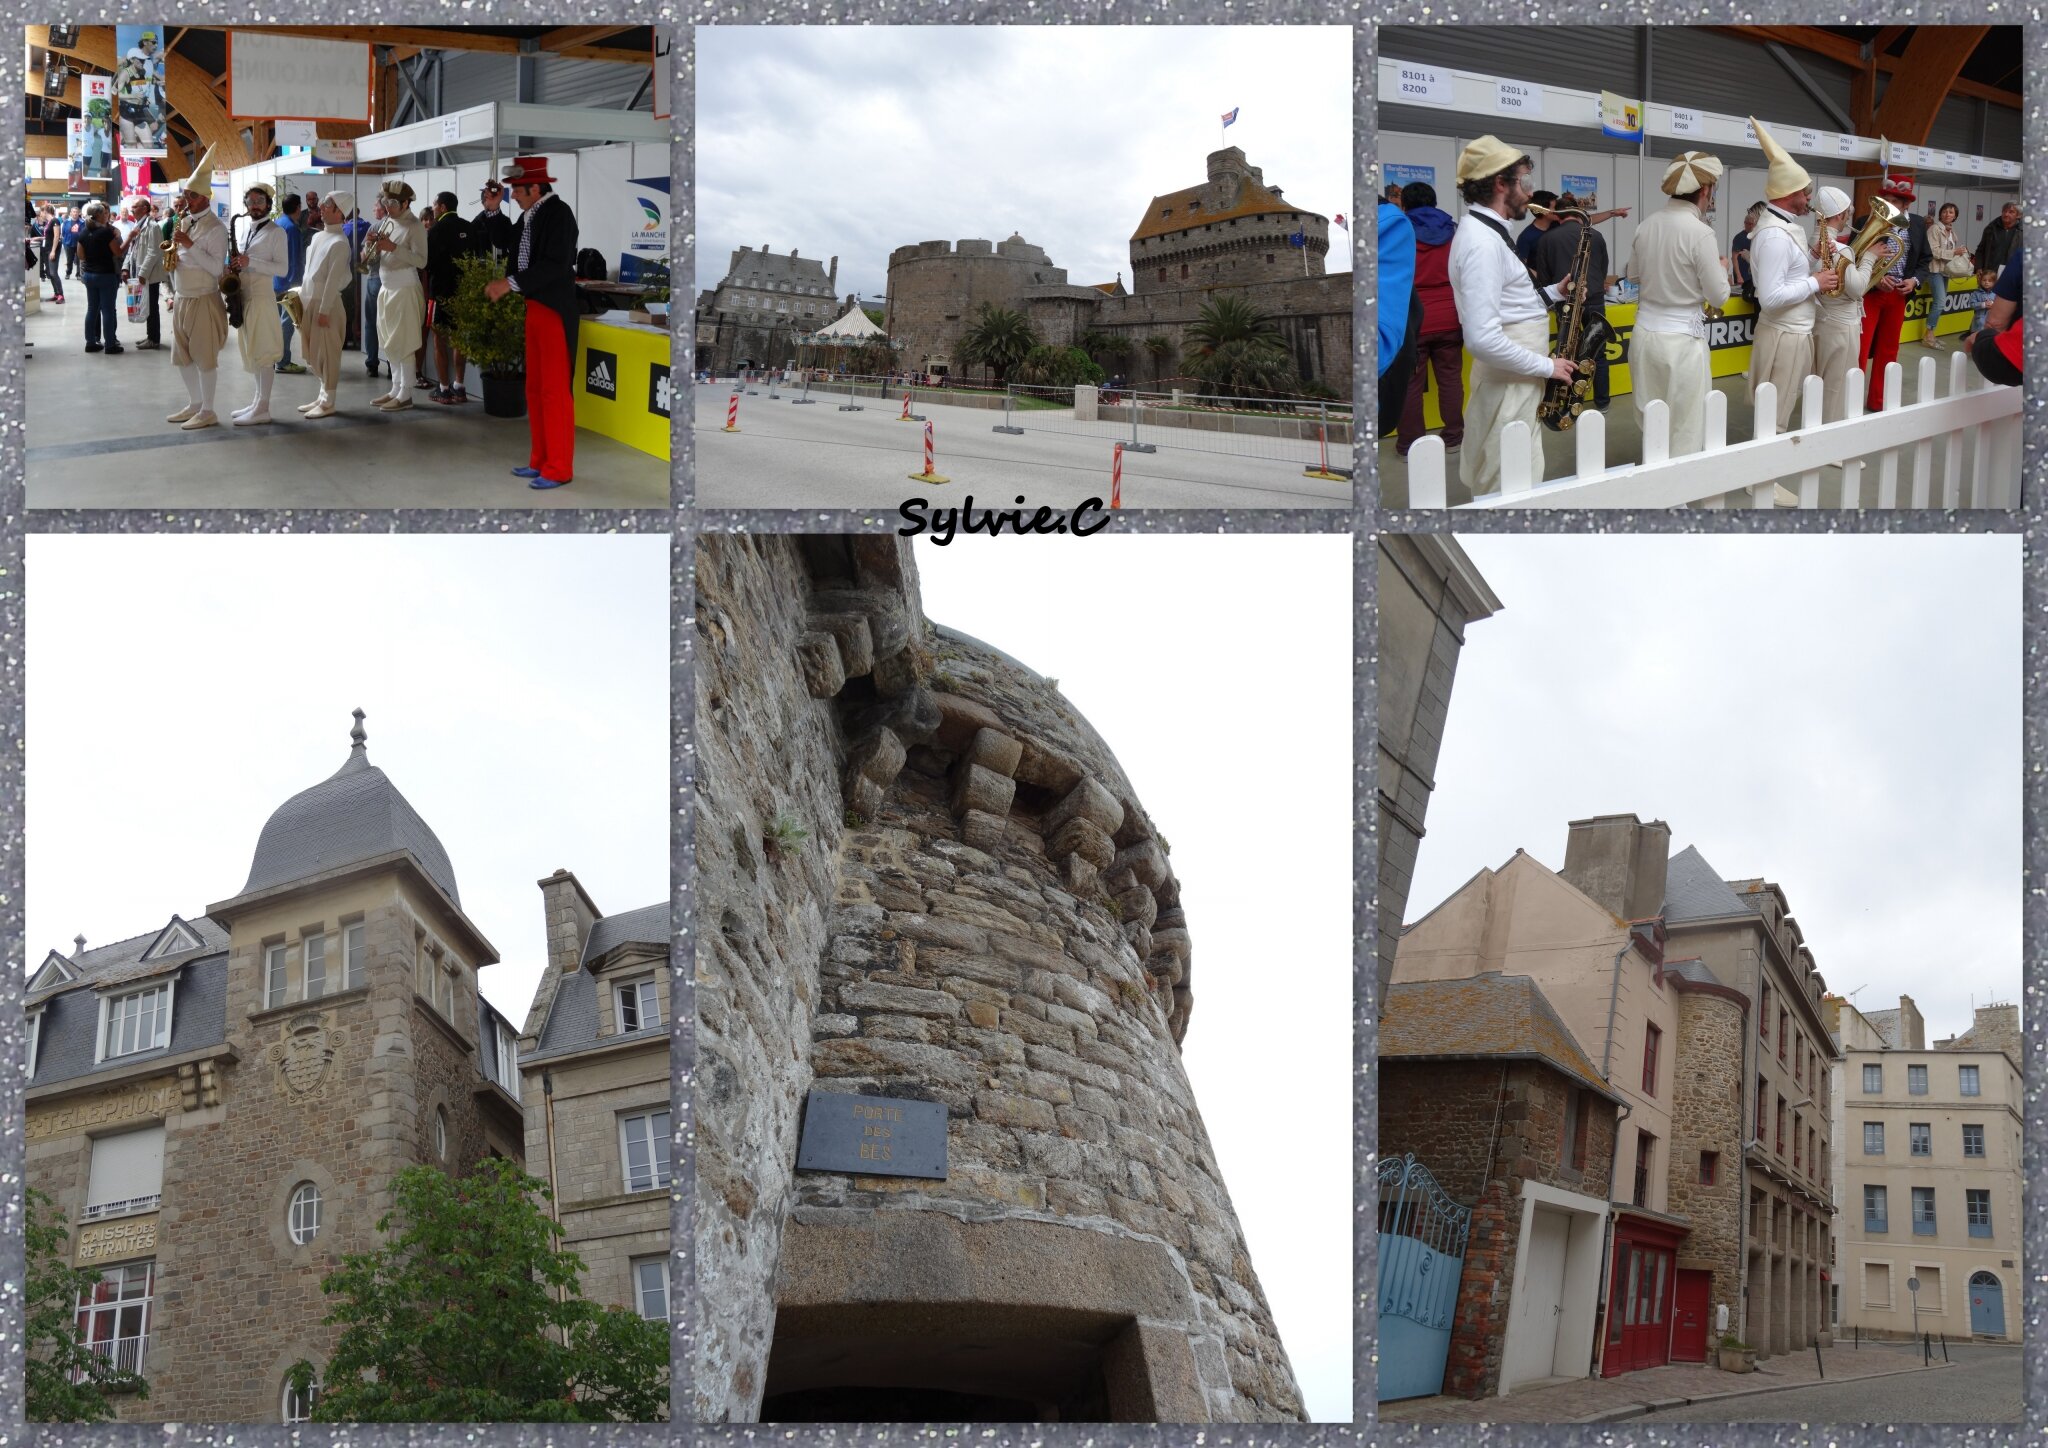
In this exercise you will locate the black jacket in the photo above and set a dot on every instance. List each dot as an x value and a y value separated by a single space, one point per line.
549 276
1553 263
493 231
448 240
1996 245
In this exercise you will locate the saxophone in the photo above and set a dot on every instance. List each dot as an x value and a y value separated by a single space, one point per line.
367 262
231 280
1580 336
170 248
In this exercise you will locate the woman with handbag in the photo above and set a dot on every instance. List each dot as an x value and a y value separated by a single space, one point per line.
1951 259
146 265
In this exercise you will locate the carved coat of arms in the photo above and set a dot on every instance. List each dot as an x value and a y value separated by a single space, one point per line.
306 1047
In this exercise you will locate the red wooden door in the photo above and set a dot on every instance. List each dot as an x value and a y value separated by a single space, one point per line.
1689 1317
1639 1310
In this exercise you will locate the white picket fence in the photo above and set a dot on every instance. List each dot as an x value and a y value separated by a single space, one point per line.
1928 454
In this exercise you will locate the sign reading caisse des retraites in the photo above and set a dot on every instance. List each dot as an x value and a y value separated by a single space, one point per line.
873 1136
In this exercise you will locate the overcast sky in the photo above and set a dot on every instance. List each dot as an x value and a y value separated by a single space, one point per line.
851 141
181 688
1839 715
1235 733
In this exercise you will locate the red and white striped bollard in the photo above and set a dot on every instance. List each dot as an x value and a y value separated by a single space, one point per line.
1116 477
732 414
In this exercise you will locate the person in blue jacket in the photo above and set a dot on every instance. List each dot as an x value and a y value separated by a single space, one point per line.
1400 312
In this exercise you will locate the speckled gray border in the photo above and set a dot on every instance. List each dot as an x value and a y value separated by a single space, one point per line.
1363 522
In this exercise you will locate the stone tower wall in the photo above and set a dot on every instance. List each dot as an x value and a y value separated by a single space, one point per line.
1707 1110
1241 251
1000 932
935 291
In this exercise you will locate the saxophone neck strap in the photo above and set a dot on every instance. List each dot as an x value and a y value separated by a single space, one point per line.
1498 227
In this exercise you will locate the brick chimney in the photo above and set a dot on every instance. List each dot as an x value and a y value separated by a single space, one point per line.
1620 861
1912 1034
832 273
570 914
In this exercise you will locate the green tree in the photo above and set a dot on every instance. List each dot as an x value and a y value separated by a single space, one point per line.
999 339
65 1381
1159 347
471 1313
1108 348
1238 351
1046 366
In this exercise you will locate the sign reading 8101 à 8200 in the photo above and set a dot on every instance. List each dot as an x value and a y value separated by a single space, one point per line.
873 1136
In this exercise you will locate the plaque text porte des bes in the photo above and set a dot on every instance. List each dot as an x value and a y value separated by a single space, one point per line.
873 1136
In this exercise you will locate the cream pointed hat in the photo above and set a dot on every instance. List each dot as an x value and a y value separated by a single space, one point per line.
200 182
1787 177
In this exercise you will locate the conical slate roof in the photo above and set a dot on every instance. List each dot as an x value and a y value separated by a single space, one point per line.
354 814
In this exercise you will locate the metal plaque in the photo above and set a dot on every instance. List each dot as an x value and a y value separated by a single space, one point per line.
873 1136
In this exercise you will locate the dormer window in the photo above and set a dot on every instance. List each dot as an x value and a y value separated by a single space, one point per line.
508 1058
135 1022
639 1008
35 1039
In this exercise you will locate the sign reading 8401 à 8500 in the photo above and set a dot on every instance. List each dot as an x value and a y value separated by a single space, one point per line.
873 1136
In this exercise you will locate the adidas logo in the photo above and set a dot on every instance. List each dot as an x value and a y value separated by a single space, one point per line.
601 376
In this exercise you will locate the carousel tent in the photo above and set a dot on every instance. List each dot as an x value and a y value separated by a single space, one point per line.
853 328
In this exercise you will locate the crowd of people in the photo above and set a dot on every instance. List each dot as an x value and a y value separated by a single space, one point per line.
1451 288
308 268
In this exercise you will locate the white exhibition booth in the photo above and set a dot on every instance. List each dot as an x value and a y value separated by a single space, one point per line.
611 166
1476 105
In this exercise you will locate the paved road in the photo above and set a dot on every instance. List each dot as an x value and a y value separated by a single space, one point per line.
785 456
1984 1386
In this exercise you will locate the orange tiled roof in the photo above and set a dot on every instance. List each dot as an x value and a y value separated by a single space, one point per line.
1487 1015
1252 200
1108 289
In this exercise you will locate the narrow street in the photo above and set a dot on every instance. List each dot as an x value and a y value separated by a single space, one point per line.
1984 1385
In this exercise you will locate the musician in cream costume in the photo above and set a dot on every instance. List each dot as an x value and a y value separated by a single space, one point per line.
1678 266
264 257
1781 350
1504 317
199 318
1838 324
323 319
399 242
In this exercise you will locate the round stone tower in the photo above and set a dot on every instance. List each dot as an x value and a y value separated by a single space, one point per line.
925 879
1231 231
935 290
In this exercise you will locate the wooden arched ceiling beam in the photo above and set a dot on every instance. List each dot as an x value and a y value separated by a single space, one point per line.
187 88
1844 51
1926 75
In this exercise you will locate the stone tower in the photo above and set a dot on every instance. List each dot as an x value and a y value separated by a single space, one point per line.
922 876
936 289
1230 231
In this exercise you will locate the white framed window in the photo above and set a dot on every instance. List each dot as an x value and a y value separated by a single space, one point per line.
35 1040
137 1021
304 1215
276 975
643 1148
315 947
441 1133
126 1175
298 1407
650 1288
355 951
113 1314
508 1058
424 970
639 1006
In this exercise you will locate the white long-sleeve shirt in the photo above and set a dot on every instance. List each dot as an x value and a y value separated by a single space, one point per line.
400 268
1494 292
327 272
269 256
1845 307
1785 283
1679 268
199 265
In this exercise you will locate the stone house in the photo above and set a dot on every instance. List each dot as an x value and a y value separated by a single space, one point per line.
218 1107
1482 1080
764 303
1929 1155
1231 230
1428 595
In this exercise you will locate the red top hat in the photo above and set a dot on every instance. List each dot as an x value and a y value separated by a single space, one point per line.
1897 185
528 171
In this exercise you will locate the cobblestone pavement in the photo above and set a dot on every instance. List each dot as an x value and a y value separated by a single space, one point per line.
1670 1388
1984 1386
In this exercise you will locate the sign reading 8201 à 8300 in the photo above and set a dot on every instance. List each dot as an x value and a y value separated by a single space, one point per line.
873 1136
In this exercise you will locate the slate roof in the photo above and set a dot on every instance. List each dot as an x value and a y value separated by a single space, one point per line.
1694 890
572 1014
71 1017
1252 200
1693 970
120 959
647 926
1885 1023
761 268
1486 1015
354 814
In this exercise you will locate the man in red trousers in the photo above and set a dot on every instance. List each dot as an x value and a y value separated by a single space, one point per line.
1884 305
543 271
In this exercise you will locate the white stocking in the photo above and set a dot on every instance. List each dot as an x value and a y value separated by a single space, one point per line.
264 378
401 377
207 377
190 372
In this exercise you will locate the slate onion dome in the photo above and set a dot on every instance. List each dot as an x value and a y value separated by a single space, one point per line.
354 814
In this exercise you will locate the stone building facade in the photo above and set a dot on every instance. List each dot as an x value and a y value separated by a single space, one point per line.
1929 1156
218 1108
1428 593
937 288
765 302
923 877
1233 230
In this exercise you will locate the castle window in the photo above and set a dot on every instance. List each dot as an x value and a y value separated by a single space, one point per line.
1269 258
356 955
650 1287
1162 273
643 1148
1183 271
639 1008
315 947
297 1406
276 975
138 1021
126 1175
113 1314
304 1217
441 1132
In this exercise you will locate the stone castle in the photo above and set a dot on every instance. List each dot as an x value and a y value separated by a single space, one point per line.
923 877
218 1108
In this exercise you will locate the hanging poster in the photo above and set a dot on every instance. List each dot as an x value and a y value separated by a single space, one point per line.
140 109
99 127
1620 118
646 216
1402 175
664 42
289 77
74 154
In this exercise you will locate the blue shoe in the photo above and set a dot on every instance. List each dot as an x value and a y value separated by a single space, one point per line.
539 484
526 472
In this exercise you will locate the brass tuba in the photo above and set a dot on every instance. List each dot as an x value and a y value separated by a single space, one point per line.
1881 230
1581 336
294 307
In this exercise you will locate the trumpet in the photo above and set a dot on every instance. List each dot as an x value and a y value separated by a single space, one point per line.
367 262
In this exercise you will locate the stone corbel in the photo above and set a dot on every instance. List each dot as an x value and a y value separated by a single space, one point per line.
871 767
1080 833
985 786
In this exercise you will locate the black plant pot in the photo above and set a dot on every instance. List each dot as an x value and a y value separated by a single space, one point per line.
505 394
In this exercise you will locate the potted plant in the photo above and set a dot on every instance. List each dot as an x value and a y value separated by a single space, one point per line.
1737 1356
491 334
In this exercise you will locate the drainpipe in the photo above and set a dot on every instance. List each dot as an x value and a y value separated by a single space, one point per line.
1605 1305
547 1091
1756 1004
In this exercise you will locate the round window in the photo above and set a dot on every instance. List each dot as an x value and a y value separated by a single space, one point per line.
305 1213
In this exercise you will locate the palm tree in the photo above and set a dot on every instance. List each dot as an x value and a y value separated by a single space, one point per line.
999 339
1159 347
1238 350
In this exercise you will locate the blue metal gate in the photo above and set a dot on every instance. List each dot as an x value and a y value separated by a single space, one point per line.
1422 1236
1987 1305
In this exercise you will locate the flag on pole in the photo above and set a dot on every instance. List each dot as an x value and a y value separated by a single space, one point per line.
1230 116
1339 219
1298 238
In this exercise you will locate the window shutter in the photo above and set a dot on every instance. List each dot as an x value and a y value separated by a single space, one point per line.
126 1167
